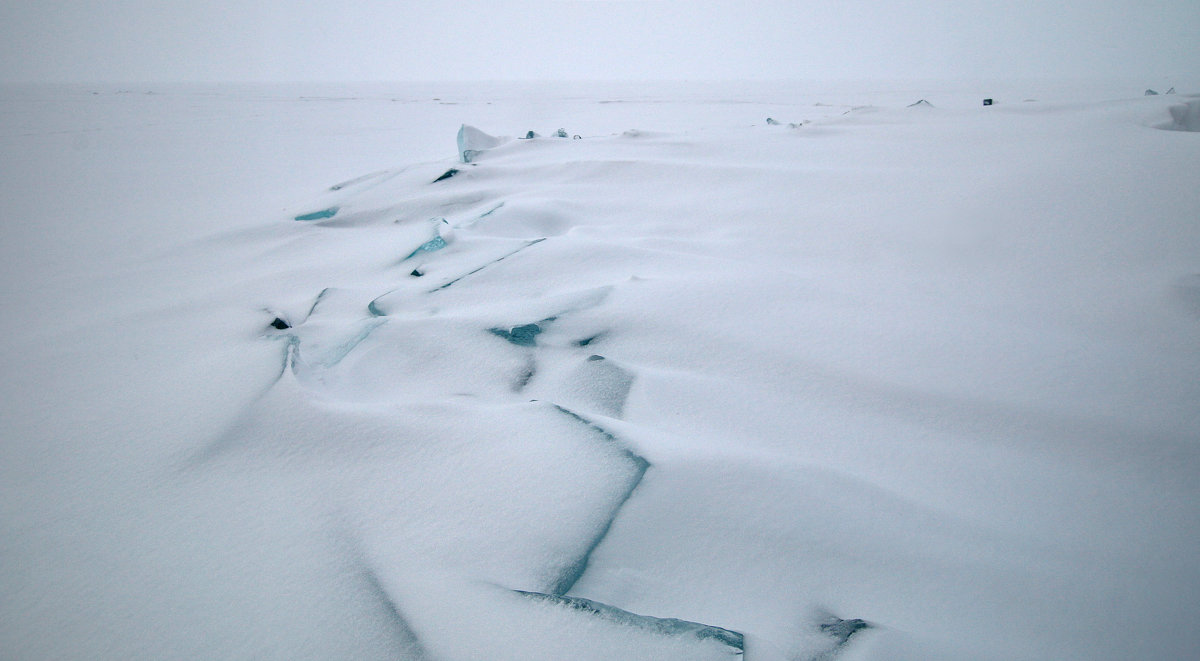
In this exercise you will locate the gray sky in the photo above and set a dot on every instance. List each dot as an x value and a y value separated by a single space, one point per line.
282 40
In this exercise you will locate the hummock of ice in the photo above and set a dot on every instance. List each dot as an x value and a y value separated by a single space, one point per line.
679 392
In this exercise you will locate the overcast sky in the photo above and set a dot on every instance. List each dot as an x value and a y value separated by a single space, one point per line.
367 40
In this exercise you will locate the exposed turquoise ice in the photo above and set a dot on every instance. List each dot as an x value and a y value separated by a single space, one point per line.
436 243
664 626
318 215
472 142
330 357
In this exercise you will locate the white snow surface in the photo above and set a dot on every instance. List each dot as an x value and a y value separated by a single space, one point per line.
934 367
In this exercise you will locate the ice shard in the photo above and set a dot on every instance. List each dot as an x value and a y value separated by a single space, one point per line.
446 175
319 215
442 236
436 243
472 142
733 640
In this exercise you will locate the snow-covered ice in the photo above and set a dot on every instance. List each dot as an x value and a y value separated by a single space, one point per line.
340 373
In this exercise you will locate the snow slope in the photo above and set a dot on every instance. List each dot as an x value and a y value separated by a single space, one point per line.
288 376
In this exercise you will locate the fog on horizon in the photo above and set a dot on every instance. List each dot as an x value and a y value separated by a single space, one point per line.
373 40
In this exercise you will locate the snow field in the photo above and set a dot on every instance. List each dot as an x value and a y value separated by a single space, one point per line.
931 367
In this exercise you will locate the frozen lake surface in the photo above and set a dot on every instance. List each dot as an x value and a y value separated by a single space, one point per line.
774 372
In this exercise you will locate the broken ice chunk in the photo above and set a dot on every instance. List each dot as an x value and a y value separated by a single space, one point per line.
841 629
472 142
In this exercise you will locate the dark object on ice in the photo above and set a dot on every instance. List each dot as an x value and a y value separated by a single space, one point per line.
578 137
658 625
446 175
1170 91
318 215
772 122
843 629
987 102
522 336
924 103
561 133
1151 93
280 324
416 274
588 340
531 135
